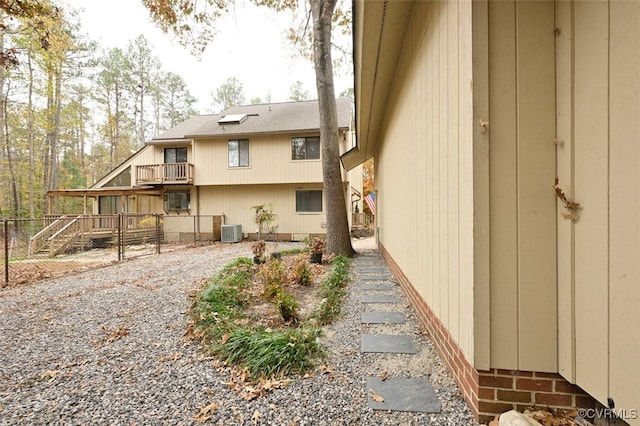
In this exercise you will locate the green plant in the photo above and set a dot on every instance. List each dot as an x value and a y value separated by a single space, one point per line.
287 305
149 222
222 301
287 252
264 217
333 290
267 353
218 318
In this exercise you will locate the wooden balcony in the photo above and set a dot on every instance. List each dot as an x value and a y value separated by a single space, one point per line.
161 174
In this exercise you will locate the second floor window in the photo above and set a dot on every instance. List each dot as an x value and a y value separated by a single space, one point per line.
239 153
175 155
305 148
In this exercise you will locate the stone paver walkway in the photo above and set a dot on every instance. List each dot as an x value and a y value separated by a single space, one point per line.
384 303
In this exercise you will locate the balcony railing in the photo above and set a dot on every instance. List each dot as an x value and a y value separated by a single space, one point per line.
170 173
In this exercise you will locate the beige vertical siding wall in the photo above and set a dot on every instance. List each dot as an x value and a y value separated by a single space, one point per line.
425 164
235 203
522 158
269 162
598 74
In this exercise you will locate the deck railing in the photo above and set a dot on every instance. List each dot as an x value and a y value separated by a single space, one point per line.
361 221
169 173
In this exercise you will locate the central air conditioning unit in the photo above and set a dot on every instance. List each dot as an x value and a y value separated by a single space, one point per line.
231 233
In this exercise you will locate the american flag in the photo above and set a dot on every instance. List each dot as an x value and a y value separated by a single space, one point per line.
370 199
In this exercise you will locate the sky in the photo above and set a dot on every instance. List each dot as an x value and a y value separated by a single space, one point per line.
250 45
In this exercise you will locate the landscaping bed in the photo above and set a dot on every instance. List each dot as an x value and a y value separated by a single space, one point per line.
266 318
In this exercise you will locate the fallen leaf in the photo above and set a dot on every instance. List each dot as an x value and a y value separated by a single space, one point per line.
49 375
115 335
384 376
171 357
225 338
206 413
376 397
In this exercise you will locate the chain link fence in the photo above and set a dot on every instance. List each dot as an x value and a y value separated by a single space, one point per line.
33 249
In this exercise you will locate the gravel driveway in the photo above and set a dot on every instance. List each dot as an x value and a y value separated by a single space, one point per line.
106 347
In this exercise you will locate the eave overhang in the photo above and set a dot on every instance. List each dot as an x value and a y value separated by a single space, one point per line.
101 192
379 33
169 142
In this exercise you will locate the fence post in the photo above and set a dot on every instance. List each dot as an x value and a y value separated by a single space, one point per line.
120 249
157 233
6 251
195 240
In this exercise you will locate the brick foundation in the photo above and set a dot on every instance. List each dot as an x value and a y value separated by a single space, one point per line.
489 393
253 236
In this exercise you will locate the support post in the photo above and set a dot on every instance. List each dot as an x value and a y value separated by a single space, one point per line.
6 251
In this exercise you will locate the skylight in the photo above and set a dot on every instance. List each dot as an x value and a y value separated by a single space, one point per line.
232 119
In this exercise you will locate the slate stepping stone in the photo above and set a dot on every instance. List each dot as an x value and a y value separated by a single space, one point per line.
402 394
372 269
376 286
374 278
387 343
382 318
377 298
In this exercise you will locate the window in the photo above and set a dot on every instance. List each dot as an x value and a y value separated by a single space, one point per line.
175 155
176 200
309 201
239 153
305 148
122 179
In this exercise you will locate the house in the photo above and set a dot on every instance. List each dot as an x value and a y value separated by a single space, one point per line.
223 164
505 140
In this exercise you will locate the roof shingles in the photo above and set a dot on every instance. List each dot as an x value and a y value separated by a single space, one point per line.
262 118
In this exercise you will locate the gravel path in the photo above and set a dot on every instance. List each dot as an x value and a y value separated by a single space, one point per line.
106 347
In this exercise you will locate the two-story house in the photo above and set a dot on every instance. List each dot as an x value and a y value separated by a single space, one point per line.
223 164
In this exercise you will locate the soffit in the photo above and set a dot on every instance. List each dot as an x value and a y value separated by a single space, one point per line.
380 29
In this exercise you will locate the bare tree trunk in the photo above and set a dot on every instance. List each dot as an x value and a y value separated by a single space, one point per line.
56 126
30 137
338 237
2 74
14 187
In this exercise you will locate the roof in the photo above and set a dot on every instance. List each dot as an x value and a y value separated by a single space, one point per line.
260 119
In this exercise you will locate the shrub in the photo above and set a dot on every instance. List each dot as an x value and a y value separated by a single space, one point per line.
287 306
317 245
271 274
300 271
258 249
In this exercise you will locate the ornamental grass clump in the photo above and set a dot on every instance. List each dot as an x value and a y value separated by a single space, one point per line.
333 290
223 300
269 353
